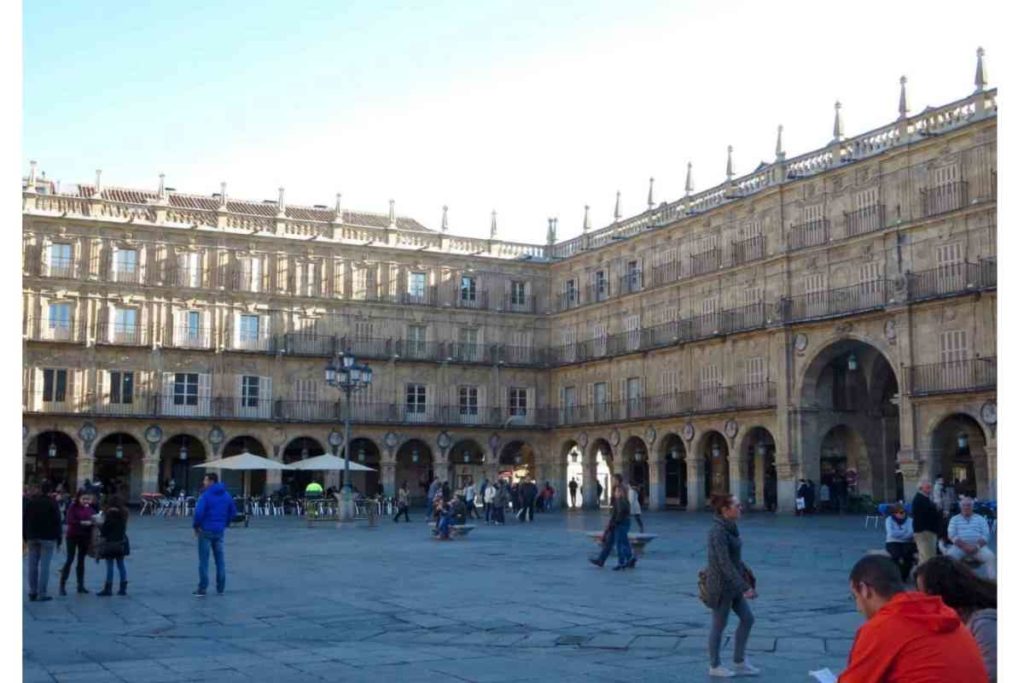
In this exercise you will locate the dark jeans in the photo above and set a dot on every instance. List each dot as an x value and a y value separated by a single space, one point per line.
402 510
572 498
498 514
212 540
719 618
620 539
39 555
526 511
79 547
639 523
120 569
487 511
903 555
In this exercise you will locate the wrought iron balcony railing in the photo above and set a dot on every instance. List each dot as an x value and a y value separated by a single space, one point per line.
961 376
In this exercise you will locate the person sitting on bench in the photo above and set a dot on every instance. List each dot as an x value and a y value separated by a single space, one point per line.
968 535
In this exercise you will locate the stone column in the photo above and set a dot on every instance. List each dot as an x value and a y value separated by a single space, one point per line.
694 482
656 475
737 481
759 476
86 468
151 473
387 476
273 482
589 485
990 455
786 484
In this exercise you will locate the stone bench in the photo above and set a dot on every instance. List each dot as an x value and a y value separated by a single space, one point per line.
636 541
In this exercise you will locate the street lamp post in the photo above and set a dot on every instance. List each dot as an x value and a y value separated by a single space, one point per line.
345 375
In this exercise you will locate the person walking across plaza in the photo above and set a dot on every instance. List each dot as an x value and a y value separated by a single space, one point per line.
214 511
41 533
573 486
908 636
825 497
728 587
489 494
927 522
968 535
617 532
432 490
528 493
469 493
79 532
899 539
634 506
113 545
973 598
403 503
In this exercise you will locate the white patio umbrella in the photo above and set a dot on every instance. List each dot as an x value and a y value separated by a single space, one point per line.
328 462
244 461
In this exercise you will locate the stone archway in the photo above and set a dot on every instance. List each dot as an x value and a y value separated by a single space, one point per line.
119 466
851 383
572 456
235 481
365 452
52 456
298 449
517 460
414 466
845 465
599 490
759 483
178 455
673 457
634 453
958 445
714 453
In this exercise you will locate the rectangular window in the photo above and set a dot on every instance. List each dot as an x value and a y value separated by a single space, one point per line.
59 322
188 267
632 325
522 346
126 325
416 340
250 274
192 320
870 279
634 276
186 389
248 329
599 339
633 395
601 285
55 385
417 285
517 293
569 397
600 393
468 401
306 390
126 265
517 401
865 199
756 373
467 288
122 386
250 391
61 260
571 293
953 346
415 399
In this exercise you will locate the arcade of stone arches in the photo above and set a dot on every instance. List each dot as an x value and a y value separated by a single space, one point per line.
849 416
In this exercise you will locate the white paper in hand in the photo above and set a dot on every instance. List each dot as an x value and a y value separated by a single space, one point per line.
823 676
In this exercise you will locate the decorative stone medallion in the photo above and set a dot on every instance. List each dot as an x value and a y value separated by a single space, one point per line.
154 434
391 439
87 434
731 429
582 439
800 342
688 431
216 436
989 413
335 438
890 331
614 438
650 434
494 442
444 440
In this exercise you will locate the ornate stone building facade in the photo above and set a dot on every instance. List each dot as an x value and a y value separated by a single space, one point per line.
826 313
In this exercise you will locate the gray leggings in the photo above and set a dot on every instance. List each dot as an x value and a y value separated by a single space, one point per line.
719 617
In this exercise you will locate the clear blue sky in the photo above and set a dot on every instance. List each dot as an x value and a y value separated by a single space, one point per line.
533 110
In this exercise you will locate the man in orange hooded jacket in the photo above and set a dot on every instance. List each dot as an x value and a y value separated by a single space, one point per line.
908 636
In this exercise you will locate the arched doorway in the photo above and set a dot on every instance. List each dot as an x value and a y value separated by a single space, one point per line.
635 453
414 466
516 461
573 455
715 453
958 443
759 483
177 457
850 383
235 480
844 465
301 448
601 452
466 463
365 452
52 456
673 454
118 466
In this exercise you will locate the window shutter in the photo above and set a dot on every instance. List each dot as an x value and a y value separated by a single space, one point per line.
45 247
264 329
102 387
178 327
431 402
204 394
235 321
111 321
265 397
481 401
167 393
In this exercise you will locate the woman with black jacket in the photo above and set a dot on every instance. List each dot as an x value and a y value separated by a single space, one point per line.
113 545
617 533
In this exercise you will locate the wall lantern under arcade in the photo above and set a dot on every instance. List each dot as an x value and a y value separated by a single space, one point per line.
851 363
961 441
716 452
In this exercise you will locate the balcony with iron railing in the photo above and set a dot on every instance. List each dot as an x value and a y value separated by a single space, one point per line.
59 267
122 334
705 262
864 220
54 329
952 279
810 234
750 249
631 282
943 198
128 276
841 301
951 377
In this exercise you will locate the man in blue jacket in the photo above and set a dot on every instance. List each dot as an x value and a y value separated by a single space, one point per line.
214 511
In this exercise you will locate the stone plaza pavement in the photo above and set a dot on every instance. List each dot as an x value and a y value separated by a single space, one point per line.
512 603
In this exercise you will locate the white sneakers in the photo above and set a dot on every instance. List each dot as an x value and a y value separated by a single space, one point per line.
743 669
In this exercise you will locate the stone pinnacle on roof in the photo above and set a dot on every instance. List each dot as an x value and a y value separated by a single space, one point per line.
903 97
837 124
32 173
160 191
586 217
391 213
494 224
337 206
444 218
99 184
780 154
223 195
728 164
980 74
552 230
650 195
618 206
280 201
688 188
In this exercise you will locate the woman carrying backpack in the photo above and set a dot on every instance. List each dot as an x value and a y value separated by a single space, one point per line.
113 544
729 586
